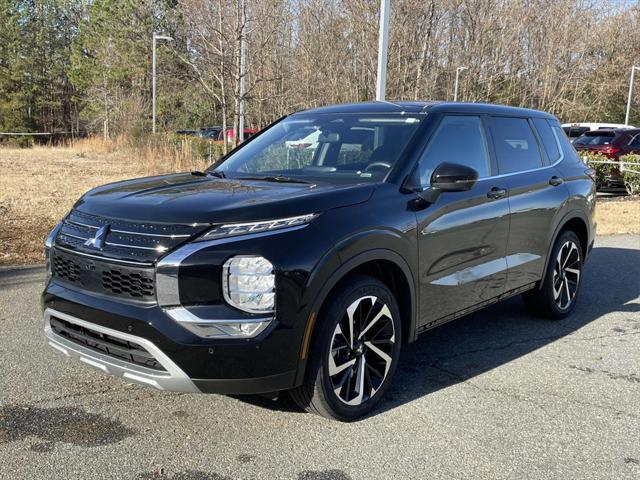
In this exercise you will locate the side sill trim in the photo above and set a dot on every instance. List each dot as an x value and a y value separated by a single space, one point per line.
479 306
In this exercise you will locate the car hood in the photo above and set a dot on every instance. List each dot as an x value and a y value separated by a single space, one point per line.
185 198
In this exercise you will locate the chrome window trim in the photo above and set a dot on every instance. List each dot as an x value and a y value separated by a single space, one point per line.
504 175
544 167
173 379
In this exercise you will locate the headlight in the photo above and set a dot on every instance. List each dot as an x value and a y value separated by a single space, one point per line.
248 284
234 229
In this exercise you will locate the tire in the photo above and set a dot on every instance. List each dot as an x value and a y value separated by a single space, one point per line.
362 372
556 298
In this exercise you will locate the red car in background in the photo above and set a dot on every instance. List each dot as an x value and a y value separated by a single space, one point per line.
613 144
248 132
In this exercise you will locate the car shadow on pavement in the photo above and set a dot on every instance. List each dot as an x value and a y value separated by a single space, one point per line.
480 342
470 346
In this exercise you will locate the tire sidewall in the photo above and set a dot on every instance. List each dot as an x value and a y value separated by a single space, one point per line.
351 291
548 283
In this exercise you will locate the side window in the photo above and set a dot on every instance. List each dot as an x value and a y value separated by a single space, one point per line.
568 151
635 141
548 139
459 139
515 145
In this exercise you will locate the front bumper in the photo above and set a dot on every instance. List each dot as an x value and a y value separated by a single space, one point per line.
261 365
172 379
269 362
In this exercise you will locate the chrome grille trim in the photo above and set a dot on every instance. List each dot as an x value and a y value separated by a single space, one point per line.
128 232
105 259
122 241
158 249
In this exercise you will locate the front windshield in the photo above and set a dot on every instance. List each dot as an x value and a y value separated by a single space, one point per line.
340 148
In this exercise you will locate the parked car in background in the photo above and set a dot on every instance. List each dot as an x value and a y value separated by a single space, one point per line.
188 133
210 133
613 144
261 275
248 133
575 130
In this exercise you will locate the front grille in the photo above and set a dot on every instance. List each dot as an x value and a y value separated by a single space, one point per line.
66 269
123 281
140 242
114 347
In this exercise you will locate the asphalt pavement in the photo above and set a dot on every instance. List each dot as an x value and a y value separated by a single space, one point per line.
498 394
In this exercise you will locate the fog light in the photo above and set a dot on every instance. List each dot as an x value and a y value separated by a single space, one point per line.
248 284
218 328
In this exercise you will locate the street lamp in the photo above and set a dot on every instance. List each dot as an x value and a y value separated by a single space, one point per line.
153 81
455 88
383 41
633 71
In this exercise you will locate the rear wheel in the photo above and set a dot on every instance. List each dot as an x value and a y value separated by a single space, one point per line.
556 298
355 351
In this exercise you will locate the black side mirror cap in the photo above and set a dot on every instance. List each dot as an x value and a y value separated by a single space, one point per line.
453 177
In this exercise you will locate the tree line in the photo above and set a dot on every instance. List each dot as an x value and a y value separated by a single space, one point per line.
84 66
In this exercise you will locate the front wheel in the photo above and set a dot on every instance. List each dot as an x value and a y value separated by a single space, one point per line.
556 297
354 353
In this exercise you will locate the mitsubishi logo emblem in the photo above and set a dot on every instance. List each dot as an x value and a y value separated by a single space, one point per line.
97 241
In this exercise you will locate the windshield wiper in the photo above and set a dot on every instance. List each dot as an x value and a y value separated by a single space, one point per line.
277 179
217 173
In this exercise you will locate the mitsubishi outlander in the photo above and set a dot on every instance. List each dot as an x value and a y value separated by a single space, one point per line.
305 266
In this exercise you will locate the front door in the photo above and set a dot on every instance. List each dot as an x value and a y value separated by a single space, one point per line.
462 236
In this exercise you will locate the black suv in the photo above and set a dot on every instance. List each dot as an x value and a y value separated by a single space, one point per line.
305 267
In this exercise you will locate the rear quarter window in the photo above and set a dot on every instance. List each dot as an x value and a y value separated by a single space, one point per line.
568 151
549 141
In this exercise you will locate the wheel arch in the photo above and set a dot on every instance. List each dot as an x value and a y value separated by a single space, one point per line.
577 221
383 264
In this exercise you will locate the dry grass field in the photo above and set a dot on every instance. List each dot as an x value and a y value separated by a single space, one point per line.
39 185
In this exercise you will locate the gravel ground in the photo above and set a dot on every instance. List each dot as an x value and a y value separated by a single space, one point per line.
498 394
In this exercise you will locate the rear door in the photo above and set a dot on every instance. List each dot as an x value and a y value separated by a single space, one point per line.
526 162
462 236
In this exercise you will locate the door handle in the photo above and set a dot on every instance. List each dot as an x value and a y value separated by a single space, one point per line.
555 181
496 193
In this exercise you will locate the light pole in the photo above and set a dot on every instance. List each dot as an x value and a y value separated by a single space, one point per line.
383 41
153 80
243 53
455 88
633 71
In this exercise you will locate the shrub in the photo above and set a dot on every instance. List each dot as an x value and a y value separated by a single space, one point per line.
631 173
17 141
603 170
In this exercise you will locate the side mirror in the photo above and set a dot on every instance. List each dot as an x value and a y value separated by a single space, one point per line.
452 177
